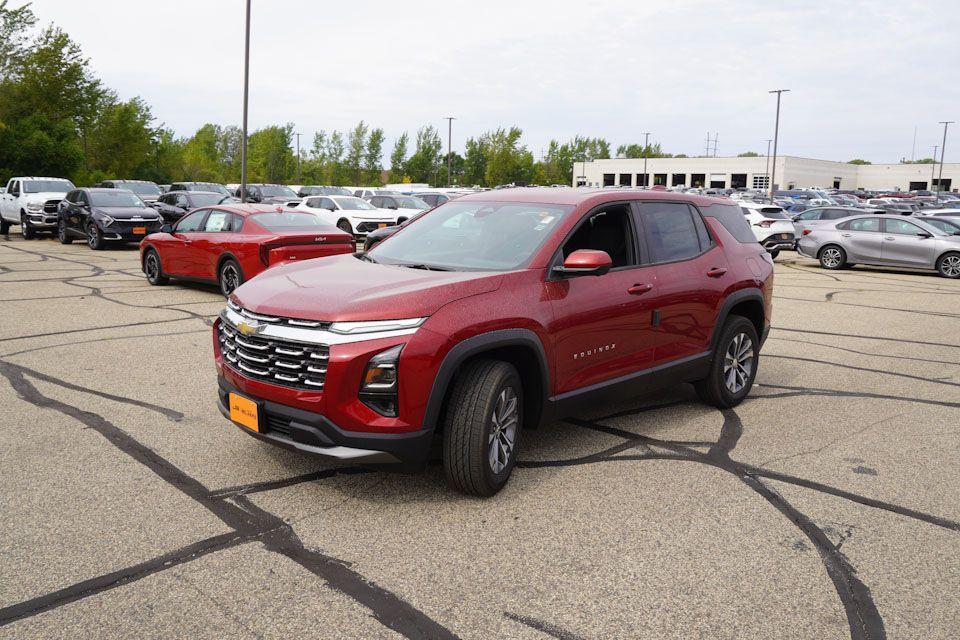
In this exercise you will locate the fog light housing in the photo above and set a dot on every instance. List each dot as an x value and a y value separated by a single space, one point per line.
378 388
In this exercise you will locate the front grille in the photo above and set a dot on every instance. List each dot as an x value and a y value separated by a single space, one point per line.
289 322
51 206
279 425
282 362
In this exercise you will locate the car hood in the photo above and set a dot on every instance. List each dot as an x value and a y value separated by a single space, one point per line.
345 288
43 196
125 213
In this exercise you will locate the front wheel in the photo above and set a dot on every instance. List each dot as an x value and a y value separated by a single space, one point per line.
62 234
949 265
151 266
481 428
344 225
832 257
95 237
26 229
230 278
734 366
4 228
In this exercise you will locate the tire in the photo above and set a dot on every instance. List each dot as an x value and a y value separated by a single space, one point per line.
948 265
483 389
4 228
774 254
229 276
26 230
62 234
153 269
832 257
719 388
344 225
95 237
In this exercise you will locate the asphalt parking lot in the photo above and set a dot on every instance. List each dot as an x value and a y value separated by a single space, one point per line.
825 506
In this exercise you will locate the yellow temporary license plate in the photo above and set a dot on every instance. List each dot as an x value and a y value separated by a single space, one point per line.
140 231
244 412
382 225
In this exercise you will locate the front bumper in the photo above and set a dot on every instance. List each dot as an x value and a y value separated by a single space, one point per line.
314 433
126 234
42 220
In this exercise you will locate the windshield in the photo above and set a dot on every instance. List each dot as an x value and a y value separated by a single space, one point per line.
287 221
339 191
411 203
210 199
944 225
474 236
277 190
140 188
40 186
115 198
354 204
208 186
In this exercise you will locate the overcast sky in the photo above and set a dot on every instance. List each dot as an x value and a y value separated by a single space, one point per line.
863 74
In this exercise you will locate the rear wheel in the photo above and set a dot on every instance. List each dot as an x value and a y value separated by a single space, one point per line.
230 277
948 265
26 229
774 254
734 365
151 267
482 426
344 225
832 257
62 234
4 227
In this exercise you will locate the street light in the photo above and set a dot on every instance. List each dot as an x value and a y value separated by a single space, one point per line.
246 94
646 145
943 150
776 136
449 120
299 176
767 174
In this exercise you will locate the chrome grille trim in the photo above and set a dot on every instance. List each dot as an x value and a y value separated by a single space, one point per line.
273 360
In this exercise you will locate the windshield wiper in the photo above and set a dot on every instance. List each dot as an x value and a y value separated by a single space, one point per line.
425 267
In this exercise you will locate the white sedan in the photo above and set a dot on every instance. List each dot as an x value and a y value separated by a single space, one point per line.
350 214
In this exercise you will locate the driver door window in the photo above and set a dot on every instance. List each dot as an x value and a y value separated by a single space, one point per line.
608 230
327 203
902 227
192 222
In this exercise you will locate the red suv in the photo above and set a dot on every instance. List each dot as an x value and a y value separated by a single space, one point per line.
493 313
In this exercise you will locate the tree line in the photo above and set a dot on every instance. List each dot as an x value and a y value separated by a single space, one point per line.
57 118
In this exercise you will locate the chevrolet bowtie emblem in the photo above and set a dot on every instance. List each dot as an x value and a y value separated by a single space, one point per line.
248 328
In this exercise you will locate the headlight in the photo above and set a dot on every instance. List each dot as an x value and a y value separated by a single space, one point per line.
106 220
378 389
376 326
35 207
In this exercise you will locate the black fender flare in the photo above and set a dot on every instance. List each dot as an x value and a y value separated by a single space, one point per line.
471 347
732 300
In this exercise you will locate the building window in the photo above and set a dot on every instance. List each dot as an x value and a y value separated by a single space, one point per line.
918 186
660 178
625 180
679 180
718 184
608 179
641 180
761 182
697 179
943 187
738 181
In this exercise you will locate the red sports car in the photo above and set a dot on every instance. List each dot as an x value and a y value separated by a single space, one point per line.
230 244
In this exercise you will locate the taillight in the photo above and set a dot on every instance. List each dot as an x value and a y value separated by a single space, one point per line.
764 223
806 232
265 250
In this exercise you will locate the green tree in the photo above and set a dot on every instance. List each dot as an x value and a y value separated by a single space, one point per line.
201 158
639 151
356 144
166 162
398 159
507 160
14 24
122 139
373 158
271 159
475 163
748 154
335 150
456 169
920 161
424 164
859 161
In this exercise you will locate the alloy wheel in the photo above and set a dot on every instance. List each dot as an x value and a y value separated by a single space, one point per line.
153 268
831 257
738 363
950 266
93 238
229 279
503 429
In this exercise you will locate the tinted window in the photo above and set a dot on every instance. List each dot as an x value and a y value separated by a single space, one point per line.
218 221
38 186
327 203
354 204
182 201
862 224
670 232
116 198
191 222
284 220
206 199
702 234
902 227
82 198
608 230
835 214
731 217
944 225
140 188
376 201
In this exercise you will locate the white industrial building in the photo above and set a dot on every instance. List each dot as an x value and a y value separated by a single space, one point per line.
791 173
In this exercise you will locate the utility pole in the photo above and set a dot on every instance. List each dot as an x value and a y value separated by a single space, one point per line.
715 137
767 174
246 95
913 149
943 150
646 147
933 167
449 148
299 175
776 137
706 152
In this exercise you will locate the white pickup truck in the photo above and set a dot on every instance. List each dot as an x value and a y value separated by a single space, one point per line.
33 203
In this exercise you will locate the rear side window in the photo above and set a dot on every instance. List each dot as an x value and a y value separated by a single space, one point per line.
861 224
732 219
670 231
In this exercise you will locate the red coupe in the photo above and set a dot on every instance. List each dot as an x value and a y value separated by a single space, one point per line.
230 244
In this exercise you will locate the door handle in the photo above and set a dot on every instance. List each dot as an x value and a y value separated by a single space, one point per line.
889 238
639 289
716 272
846 235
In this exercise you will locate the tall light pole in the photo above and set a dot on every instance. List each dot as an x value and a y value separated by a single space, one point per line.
933 166
943 150
246 95
646 146
299 175
449 120
776 136
767 174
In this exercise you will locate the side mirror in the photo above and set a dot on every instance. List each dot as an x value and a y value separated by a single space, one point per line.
924 234
585 262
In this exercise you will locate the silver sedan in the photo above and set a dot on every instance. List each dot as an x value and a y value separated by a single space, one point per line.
886 240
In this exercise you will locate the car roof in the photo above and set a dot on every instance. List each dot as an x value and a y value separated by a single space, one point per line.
577 196
102 190
125 180
248 209
198 193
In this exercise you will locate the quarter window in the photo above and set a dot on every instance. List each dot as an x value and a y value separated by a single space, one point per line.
217 222
670 231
